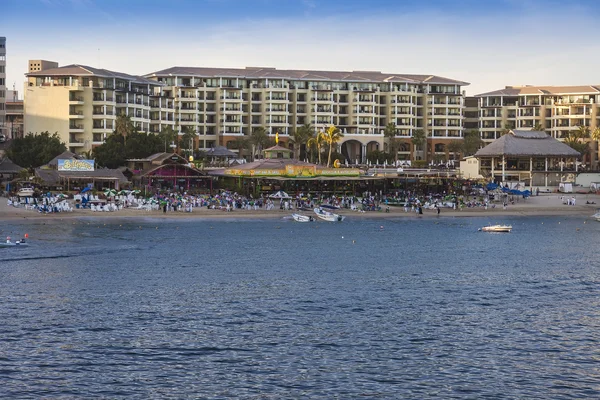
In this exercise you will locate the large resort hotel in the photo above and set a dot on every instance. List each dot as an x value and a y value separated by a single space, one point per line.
221 104
555 109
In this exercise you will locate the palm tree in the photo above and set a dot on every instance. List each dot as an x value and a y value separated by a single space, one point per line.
595 135
124 126
317 142
241 144
259 139
167 136
455 147
390 133
578 139
506 130
188 139
419 141
332 135
301 136
538 127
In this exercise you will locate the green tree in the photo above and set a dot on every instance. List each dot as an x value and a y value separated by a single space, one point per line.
390 132
111 153
187 140
141 145
316 142
260 139
471 143
301 137
507 128
167 136
538 127
241 144
124 126
331 136
579 139
456 147
419 141
32 150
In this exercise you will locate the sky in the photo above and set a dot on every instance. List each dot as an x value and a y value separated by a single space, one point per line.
488 43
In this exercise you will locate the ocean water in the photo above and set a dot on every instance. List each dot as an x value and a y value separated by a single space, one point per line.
273 309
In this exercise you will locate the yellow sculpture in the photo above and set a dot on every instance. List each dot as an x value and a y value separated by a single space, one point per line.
276 137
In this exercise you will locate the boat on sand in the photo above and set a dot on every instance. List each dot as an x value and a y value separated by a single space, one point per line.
328 216
302 218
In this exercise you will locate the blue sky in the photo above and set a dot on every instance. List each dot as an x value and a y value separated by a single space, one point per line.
490 44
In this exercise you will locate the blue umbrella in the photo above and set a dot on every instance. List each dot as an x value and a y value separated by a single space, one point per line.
85 190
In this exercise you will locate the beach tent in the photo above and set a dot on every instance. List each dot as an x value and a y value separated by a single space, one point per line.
280 195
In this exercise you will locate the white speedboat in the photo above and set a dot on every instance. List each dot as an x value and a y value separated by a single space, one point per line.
496 228
302 218
13 244
25 192
328 216
596 216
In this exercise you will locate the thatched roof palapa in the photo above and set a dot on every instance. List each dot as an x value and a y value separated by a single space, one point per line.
9 167
521 143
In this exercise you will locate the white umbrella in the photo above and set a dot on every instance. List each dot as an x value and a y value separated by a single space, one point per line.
280 195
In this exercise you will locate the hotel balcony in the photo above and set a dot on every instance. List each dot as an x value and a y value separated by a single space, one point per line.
75 99
188 110
364 99
76 114
230 98
230 121
75 127
76 142
276 110
277 99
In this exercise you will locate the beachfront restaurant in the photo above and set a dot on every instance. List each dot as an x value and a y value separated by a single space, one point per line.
530 158
70 171
162 171
279 171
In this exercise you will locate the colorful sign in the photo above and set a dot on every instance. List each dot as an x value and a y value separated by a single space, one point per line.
294 171
75 165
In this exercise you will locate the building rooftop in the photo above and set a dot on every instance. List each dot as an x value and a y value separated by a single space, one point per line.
527 143
305 75
542 90
85 70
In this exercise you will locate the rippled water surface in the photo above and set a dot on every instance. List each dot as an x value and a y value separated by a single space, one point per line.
265 309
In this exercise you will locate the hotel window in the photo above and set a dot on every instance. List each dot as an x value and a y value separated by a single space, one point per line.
1 81
2 69
2 57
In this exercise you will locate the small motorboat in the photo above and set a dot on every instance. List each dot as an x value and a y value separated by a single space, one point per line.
302 218
18 243
328 216
596 216
496 228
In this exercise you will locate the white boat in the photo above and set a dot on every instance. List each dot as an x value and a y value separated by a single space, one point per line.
496 228
25 192
596 216
13 244
302 218
328 216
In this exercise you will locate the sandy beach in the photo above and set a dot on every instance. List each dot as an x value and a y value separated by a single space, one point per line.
547 204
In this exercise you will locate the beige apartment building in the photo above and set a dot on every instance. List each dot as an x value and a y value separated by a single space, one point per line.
81 103
220 104
556 109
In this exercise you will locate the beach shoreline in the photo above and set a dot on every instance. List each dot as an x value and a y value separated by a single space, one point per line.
546 205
